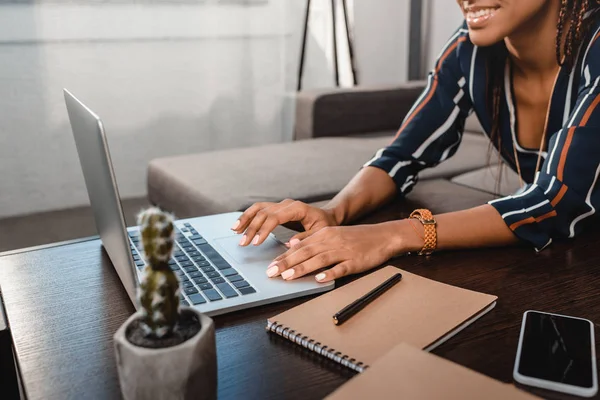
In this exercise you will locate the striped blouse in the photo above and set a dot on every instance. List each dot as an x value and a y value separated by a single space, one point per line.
561 197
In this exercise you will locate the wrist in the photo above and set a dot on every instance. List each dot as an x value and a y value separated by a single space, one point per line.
337 213
405 237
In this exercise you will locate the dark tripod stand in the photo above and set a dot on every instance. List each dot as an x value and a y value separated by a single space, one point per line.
335 52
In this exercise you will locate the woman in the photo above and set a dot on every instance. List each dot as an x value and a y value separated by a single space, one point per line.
534 84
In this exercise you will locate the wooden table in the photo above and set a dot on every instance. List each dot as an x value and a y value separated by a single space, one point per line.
64 303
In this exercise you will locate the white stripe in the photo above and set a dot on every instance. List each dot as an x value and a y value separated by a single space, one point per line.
588 50
568 99
586 73
449 43
439 132
472 74
588 202
546 245
525 193
459 96
570 123
409 181
401 164
462 82
511 109
420 99
446 152
550 186
522 210
377 156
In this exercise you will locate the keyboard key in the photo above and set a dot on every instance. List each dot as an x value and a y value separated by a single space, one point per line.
199 280
207 269
227 290
187 284
228 272
187 224
186 263
197 299
192 268
196 237
193 253
184 303
205 286
189 248
184 278
174 267
241 284
198 242
139 263
235 278
190 290
179 273
217 280
247 290
203 263
193 231
136 257
172 261
178 253
207 248
181 298
182 258
222 264
212 274
198 258
195 274
212 295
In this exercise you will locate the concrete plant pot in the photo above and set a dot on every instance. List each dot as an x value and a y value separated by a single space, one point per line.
184 371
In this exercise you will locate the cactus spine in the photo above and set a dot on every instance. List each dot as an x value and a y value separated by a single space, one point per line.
158 293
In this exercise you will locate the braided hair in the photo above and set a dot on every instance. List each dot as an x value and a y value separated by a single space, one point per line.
566 45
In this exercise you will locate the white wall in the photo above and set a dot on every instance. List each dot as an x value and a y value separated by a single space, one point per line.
382 33
444 17
166 80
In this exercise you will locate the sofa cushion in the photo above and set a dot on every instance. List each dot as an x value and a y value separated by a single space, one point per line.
486 179
311 170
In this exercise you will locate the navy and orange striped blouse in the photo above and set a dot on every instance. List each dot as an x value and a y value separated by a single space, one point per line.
562 196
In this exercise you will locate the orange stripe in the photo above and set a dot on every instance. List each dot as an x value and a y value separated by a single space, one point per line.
434 86
590 111
522 222
532 220
546 216
563 155
559 196
595 38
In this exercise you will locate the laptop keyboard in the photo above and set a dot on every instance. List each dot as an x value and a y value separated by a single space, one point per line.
204 275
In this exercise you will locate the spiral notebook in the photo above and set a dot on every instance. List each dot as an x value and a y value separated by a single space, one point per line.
406 372
417 311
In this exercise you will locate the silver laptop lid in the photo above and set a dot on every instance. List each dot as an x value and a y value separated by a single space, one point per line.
96 164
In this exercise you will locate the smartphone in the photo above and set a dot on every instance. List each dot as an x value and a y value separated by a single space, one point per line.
557 352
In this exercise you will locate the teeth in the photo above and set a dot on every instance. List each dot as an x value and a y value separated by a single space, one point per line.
480 13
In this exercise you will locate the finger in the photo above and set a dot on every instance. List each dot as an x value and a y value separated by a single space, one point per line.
295 244
341 269
260 217
317 262
295 256
294 211
302 235
247 216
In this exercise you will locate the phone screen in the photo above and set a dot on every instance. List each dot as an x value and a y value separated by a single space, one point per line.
558 349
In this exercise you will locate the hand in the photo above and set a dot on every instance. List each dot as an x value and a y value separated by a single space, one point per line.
261 218
348 250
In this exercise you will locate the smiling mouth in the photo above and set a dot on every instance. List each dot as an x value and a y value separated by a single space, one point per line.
477 16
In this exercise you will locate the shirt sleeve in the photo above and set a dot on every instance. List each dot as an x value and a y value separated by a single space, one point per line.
432 130
563 196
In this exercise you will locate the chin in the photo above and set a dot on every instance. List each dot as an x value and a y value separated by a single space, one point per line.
485 37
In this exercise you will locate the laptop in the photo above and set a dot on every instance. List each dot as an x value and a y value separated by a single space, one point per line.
216 274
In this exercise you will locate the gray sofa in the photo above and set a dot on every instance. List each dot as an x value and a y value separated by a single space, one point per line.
336 132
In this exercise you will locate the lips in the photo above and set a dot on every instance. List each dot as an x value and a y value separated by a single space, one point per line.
478 16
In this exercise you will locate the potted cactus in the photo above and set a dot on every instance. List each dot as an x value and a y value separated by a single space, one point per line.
164 351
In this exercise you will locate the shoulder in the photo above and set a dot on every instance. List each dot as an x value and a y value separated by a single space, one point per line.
590 48
458 47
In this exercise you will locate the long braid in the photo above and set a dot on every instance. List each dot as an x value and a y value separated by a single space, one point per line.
575 11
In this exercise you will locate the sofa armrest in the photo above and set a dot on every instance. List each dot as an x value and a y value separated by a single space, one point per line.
341 112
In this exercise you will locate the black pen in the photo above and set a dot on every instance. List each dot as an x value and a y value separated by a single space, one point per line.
344 314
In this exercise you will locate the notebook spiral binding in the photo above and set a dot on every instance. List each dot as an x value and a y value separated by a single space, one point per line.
316 347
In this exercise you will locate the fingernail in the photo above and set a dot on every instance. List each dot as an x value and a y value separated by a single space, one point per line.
287 244
236 225
294 242
272 271
287 274
320 277
255 240
272 264
243 241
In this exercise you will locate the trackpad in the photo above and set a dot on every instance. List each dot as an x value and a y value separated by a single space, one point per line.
266 252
